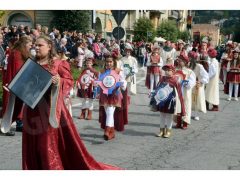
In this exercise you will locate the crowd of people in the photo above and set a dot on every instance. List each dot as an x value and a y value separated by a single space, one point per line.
182 78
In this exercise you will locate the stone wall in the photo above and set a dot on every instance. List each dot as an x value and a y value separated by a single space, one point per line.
208 30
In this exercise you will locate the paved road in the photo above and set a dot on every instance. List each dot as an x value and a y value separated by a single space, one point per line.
211 143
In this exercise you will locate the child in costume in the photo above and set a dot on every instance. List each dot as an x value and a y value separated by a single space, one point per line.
212 88
190 77
85 86
167 99
233 77
198 92
111 114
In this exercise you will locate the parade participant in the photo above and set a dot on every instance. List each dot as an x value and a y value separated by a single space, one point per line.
180 49
18 55
167 52
111 112
171 103
190 77
226 57
233 77
212 88
130 68
154 65
66 94
85 86
203 54
2 52
53 143
198 92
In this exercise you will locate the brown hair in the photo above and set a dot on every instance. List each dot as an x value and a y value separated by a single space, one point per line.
52 53
114 61
238 60
20 45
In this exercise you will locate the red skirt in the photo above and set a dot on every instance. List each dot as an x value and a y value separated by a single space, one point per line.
147 81
233 77
154 70
111 100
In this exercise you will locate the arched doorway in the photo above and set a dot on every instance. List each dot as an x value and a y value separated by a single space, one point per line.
98 27
19 18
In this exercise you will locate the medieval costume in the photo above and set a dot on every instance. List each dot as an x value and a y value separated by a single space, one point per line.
233 77
130 68
112 114
212 88
203 56
187 86
226 57
167 99
198 91
45 147
154 65
16 59
167 52
86 89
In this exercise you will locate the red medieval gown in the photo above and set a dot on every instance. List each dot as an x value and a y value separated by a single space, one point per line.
15 62
48 148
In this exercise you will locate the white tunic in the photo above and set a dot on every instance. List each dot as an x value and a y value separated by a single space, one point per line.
167 54
187 93
131 80
198 94
212 88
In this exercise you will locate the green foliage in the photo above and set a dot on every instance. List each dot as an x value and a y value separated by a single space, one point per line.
168 30
185 35
72 20
144 30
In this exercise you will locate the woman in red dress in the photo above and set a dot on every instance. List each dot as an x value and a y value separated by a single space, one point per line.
18 55
53 142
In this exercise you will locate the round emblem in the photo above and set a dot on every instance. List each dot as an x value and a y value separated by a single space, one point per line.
109 81
85 79
126 71
163 93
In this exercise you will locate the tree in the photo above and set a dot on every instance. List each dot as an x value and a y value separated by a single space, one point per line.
72 20
168 30
184 35
144 30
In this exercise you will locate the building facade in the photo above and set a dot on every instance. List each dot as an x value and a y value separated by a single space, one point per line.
27 18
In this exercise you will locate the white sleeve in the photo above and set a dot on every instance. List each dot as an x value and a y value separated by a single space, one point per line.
228 66
191 81
161 62
204 75
212 69
122 79
135 66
